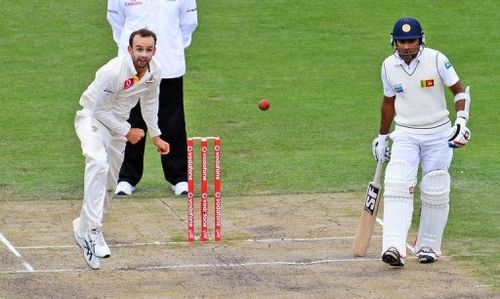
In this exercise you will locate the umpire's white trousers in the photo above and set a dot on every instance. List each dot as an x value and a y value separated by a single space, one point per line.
103 153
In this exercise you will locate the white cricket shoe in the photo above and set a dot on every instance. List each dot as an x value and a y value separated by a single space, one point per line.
95 241
426 255
180 188
124 188
91 260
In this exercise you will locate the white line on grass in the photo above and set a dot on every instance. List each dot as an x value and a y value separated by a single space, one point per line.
16 253
256 264
228 265
197 266
267 240
110 245
270 240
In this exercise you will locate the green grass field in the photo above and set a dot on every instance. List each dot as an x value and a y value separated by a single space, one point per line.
317 61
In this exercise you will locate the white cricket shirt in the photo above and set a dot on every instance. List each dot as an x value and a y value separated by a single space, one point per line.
173 21
114 92
419 90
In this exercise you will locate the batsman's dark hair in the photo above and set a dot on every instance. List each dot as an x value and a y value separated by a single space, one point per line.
143 33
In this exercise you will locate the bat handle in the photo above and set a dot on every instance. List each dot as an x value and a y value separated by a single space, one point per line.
378 172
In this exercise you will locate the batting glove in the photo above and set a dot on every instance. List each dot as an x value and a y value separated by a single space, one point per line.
380 150
460 134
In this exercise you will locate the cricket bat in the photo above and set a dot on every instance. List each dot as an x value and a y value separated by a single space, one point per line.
368 214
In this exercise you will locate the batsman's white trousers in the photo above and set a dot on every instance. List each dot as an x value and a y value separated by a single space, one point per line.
432 150
103 154
432 153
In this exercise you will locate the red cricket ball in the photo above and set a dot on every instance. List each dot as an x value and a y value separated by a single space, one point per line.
264 104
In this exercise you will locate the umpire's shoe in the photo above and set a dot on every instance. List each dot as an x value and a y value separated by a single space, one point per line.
91 260
180 188
124 188
392 257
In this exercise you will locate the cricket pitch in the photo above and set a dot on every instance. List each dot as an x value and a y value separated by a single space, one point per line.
285 246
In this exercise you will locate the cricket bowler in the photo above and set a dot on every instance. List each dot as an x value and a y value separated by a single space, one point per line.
102 127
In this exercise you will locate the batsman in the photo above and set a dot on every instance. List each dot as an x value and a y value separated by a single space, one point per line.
413 79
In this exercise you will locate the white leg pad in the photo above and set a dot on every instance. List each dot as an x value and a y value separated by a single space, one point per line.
399 183
398 212
435 195
400 179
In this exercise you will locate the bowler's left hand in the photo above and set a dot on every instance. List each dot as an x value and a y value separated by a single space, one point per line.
161 146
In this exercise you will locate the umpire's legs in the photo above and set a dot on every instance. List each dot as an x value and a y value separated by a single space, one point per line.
172 124
133 161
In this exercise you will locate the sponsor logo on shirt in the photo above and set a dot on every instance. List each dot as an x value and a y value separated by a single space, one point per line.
427 83
128 83
133 3
447 64
398 87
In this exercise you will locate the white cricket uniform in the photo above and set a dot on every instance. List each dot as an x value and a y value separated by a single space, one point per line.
421 133
173 28
102 127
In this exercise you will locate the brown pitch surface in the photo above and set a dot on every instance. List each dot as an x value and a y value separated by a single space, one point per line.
273 246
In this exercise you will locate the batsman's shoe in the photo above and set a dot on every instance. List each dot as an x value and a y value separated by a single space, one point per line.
95 241
91 260
180 188
426 255
392 257
124 188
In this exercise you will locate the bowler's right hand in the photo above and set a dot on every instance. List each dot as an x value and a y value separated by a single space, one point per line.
135 135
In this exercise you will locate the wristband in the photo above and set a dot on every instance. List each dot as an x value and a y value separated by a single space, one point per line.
461 96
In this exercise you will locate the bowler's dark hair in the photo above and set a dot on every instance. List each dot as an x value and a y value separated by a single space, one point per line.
142 32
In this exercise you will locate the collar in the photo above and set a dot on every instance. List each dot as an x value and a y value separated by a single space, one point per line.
130 64
399 61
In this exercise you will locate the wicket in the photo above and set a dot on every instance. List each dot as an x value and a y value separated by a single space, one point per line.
204 188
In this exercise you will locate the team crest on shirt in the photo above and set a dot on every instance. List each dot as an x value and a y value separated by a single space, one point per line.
427 83
128 83
398 87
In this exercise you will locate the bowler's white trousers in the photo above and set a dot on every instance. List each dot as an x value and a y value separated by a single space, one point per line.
432 152
103 153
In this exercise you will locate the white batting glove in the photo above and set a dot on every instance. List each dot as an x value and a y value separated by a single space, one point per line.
460 134
380 150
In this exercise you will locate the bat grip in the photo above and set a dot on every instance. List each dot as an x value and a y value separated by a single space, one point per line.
378 172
